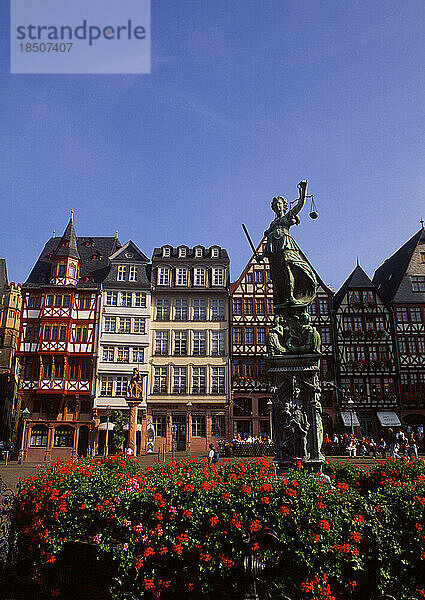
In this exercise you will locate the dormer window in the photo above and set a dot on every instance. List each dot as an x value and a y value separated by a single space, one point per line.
198 252
218 276
199 277
214 252
166 251
65 244
122 273
72 271
182 252
61 271
163 276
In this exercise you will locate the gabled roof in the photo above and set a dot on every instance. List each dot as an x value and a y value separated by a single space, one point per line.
68 243
129 248
92 271
358 279
392 277
4 282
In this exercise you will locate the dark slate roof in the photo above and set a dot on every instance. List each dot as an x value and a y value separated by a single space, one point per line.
94 253
129 254
391 278
358 279
68 244
4 282
190 253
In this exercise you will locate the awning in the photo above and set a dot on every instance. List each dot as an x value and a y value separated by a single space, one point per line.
349 419
388 419
106 426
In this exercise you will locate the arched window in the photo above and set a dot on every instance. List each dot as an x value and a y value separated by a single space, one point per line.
64 436
39 436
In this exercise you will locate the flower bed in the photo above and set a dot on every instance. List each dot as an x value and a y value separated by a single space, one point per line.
176 530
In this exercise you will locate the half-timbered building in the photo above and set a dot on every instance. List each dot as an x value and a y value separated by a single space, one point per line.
400 281
366 360
57 344
251 298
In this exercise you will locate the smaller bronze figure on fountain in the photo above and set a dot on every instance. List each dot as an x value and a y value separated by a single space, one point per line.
134 388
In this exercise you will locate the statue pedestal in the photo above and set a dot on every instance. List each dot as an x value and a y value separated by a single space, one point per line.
133 404
297 422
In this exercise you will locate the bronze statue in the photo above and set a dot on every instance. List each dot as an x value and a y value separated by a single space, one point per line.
294 280
134 389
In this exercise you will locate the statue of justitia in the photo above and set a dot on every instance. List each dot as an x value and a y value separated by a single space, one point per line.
294 280
134 389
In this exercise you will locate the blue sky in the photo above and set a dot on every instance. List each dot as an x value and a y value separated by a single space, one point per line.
244 100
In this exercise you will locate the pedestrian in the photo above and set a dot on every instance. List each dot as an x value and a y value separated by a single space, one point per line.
392 441
382 448
413 447
351 448
212 455
373 447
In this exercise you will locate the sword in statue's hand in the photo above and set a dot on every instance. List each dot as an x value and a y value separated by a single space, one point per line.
248 237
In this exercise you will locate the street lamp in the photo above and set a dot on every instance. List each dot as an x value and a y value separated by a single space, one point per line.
108 414
270 409
351 406
188 433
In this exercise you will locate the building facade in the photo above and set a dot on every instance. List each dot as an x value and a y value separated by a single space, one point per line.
366 358
251 298
10 314
57 345
123 338
189 365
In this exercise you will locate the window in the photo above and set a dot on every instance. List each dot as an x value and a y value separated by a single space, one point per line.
139 325
411 346
182 252
355 297
402 345
198 426
34 301
108 353
124 325
181 276
106 385
125 299
138 354
237 335
418 283
259 277
158 422
323 306
163 276
160 380
242 407
123 354
199 278
326 335
402 316
248 306
259 305
110 324
140 299
199 343
49 300
179 380
61 270
121 386
218 276
58 301
199 380
132 273
181 309
218 426
249 336
368 297
46 333
38 436
111 299
198 252
84 302
166 251
373 353
351 353
199 309
161 343
268 277
421 344
64 437
217 343
375 386
72 270
270 309
357 323
162 309
122 273
379 323
66 301
180 343
261 335
54 335
214 252
217 380
237 306
217 309
415 315
250 277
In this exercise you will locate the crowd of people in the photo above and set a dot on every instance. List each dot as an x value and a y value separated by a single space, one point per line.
395 444
250 439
